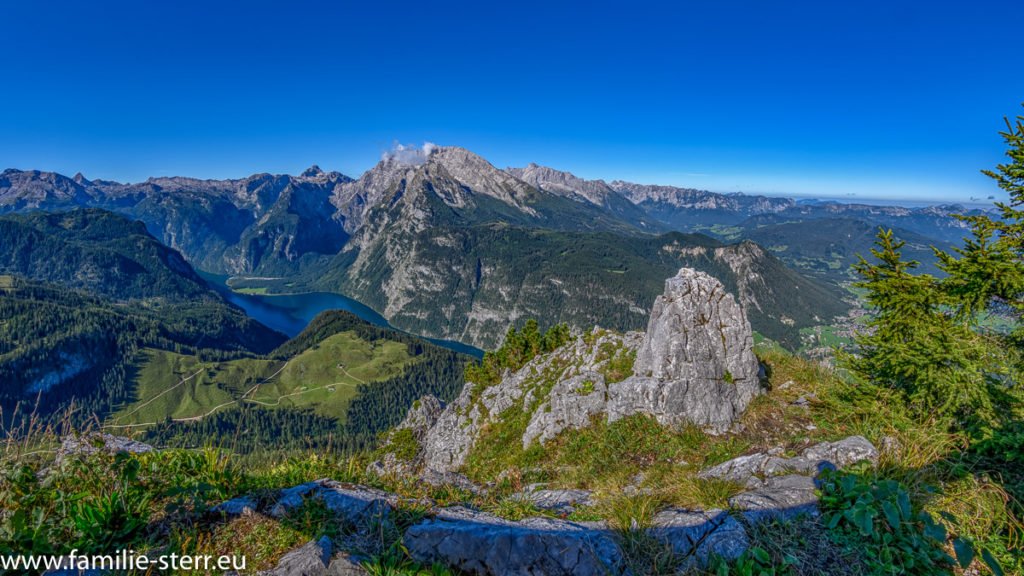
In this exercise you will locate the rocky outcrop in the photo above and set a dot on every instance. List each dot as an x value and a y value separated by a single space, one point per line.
694 366
355 504
421 417
92 443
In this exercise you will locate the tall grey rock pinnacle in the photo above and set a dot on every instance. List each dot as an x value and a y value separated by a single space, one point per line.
695 365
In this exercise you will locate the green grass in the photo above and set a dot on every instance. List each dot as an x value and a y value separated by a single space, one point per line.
261 290
170 385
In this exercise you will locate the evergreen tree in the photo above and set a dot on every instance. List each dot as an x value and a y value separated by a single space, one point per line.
930 338
912 344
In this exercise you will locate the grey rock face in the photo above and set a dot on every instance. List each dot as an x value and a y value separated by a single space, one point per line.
561 501
314 559
346 565
420 418
579 393
481 544
696 364
738 470
242 505
571 404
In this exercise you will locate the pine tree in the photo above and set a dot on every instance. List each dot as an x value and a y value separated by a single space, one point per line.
929 338
914 346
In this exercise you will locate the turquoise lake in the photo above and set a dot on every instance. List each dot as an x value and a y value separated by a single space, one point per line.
291 313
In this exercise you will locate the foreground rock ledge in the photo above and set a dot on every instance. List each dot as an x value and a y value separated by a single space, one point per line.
480 543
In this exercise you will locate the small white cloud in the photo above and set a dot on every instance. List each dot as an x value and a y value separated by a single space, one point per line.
409 154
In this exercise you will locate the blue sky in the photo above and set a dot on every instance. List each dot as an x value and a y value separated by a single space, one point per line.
872 99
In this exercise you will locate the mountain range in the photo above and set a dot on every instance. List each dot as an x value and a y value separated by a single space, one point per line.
449 246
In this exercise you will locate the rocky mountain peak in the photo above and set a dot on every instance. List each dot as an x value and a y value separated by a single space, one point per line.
312 171
564 183
480 176
695 365
698 333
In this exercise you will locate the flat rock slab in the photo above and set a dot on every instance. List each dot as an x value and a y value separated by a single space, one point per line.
811 461
482 544
696 535
847 451
356 504
237 506
557 500
778 498
312 559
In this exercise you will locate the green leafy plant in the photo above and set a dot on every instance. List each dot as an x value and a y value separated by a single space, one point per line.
875 518
755 561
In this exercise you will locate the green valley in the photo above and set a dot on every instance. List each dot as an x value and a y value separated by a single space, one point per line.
325 378
338 383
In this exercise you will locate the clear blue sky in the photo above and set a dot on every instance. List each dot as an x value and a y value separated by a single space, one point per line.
877 99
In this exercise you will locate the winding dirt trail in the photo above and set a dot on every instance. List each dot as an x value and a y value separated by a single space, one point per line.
151 400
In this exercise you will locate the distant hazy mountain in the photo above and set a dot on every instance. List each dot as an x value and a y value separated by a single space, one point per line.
689 209
825 248
595 192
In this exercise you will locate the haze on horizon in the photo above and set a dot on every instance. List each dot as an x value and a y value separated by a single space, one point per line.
878 100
